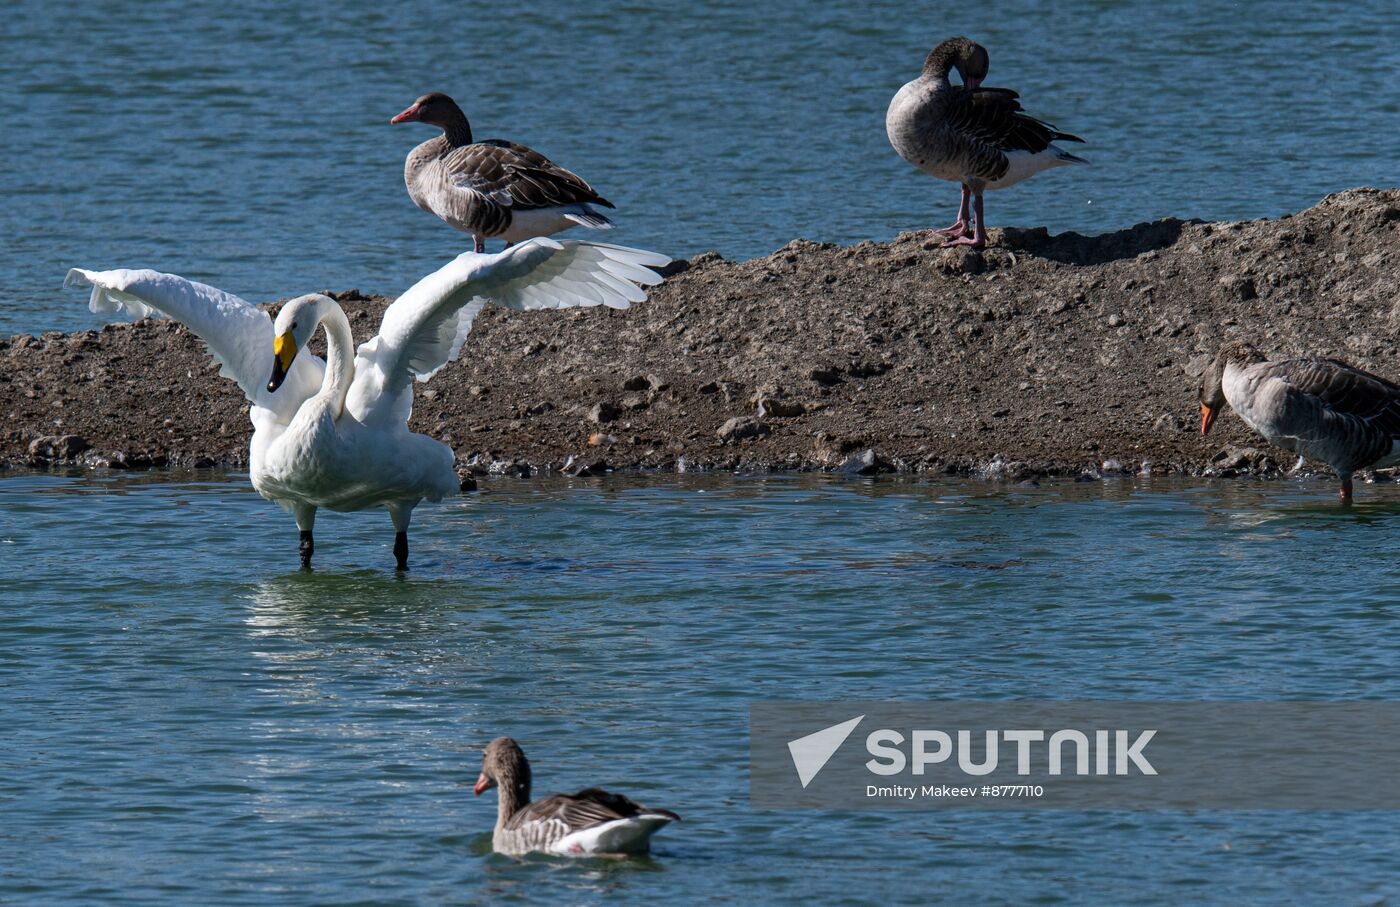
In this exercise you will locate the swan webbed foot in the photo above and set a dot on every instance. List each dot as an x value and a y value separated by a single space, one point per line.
401 550
307 548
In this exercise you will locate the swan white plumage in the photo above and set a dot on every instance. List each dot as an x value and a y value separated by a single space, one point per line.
334 433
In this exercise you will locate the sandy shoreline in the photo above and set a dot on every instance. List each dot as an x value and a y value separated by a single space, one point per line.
1041 355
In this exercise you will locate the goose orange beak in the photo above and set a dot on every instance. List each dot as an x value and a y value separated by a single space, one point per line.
1207 418
408 115
483 784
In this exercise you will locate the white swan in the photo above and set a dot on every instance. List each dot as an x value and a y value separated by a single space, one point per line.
335 434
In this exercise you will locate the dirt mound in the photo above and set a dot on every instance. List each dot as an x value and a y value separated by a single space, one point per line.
1042 354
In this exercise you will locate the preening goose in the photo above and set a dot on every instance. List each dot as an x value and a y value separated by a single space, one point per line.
1318 408
591 821
971 135
334 434
492 188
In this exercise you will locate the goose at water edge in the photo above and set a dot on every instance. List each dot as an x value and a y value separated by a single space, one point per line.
1318 408
492 188
591 821
968 134
335 434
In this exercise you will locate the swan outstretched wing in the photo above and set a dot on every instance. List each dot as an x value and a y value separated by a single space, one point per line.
425 327
237 333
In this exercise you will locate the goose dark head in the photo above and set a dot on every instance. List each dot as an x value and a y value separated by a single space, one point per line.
439 110
965 55
504 765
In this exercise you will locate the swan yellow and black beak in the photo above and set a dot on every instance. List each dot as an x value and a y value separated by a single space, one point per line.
284 350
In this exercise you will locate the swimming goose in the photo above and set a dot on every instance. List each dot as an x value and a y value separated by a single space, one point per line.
334 434
493 187
1318 408
591 821
969 134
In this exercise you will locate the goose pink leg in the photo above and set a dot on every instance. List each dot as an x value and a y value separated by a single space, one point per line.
978 239
961 227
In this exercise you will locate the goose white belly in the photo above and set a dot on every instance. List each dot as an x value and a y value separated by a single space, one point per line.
541 222
628 835
1022 165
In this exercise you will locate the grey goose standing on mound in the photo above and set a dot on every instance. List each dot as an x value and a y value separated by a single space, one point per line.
492 188
591 821
971 135
1318 408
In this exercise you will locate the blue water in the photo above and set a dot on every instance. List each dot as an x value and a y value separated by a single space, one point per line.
190 720
248 144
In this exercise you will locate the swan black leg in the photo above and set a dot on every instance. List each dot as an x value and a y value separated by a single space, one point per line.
308 547
401 549
400 512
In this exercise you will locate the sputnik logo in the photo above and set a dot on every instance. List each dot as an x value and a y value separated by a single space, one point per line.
811 753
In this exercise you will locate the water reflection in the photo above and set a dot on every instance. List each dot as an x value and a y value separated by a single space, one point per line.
535 876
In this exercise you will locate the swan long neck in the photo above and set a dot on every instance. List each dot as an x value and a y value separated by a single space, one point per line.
340 357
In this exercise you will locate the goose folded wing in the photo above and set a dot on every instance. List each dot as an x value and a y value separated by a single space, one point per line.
237 333
425 328
995 116
589 807
1346 391
513 175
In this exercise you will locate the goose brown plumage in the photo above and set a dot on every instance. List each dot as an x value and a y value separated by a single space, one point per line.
1319 408
592 821
978 137
492 188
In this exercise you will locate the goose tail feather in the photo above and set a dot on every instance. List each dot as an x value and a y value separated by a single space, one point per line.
589 218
